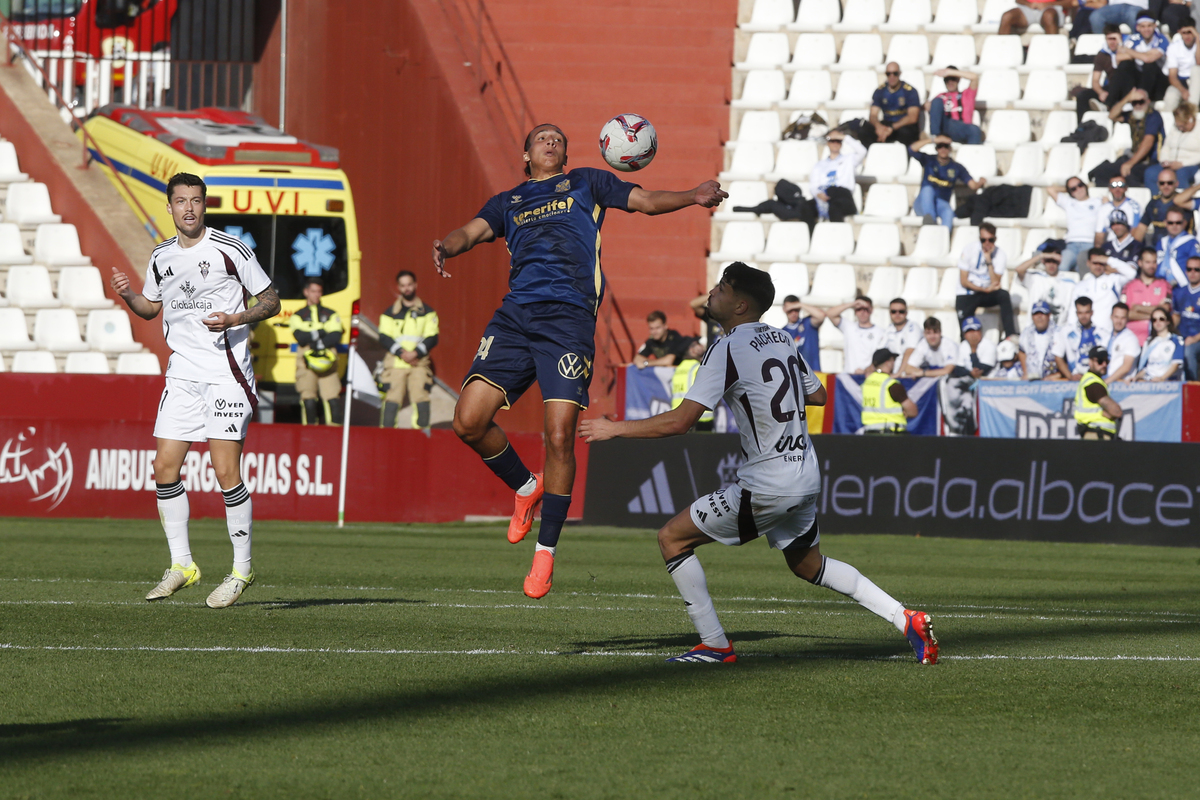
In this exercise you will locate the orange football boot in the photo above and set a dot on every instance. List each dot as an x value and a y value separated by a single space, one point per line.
537 582
522 518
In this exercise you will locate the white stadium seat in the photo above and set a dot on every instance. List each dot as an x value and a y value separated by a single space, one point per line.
921 282
885 162
954 16
138 364
915 78
82 287
999 87
989 18
957 50
1035 237
1009 240
909 50
1088 44
830 337
1100 118
861 15
907 16
1046 51
933 241
762 89
57 330
854 90
794 160
759 126
962 235
1001 52
951 329
816 15
769 15
750 161
886 202
887 283
774 315
28 205
29 287
740 241
741 193
813 51
109 332
89 363
1062 162
877 242
860 51
786 241
833 284
1122 137
1007 129
811 89
10 169
947 291
1095 155
789 278
1140 195
14 335
1044 90
34 361
831 241
1025 166
11 249
766 50
979 159
57 245
1055 126
831 360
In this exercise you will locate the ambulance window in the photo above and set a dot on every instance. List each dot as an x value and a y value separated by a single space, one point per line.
117 13
309 247
44 8
254 230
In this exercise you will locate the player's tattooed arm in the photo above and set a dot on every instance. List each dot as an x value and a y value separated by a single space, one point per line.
266 307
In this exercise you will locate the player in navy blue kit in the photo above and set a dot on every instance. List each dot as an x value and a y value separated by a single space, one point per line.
545 328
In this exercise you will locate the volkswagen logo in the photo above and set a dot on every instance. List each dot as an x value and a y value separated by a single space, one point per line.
572 367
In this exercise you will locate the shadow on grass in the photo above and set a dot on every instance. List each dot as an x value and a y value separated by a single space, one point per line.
100 725
668 641
273 605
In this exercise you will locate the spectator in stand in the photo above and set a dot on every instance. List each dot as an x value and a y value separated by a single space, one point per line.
1145 68
1072 342
980 268
1123 347
1181 57
1181 147
1103 284
862 337
1008 366
1153 226
1046 13
665 347
1176 248
1120 242
902 334
1117 201
1036 346
1163 354
1098 98
1186 303
1146 131
895 109
1045 282
1082 212
1145 293
951 112
832 179
939 173
976 354
933 356
804 331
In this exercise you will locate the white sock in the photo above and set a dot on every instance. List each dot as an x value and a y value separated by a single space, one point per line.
693 587
173 511
842 577
239 520
540 547
529 486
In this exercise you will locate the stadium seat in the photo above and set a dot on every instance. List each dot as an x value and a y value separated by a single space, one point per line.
877 242
762 89
915 78
789 278
861 15
1122 137
1088 44
811 89
14 335
138 364
954 17
1140 195
759 126
1025 166
998 88
910 51
766 51
989 18
786 241
10 169
907 16
1100 118
853 114
12 251
89 363
814 51
741 193
82 287
769 15
794 160
831 241
885 162
1046 51
1037 211
830 337
854 90
57 245
34 361
947 291
1032 239
859 51
816 15
750 161
109 332
1056 125
921 282
951 329
1044 90
831 360
1095 155
933 241
28 205
29 287
886 283
1007 129
1001 52
886 202
953 50
833 284
1009 240
979 159
740 241
57 330
958 241
1061 163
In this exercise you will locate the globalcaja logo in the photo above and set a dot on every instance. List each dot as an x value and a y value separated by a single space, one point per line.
50 480
188 289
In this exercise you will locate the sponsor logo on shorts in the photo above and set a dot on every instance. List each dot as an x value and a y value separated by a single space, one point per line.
229 409
231 429
573 367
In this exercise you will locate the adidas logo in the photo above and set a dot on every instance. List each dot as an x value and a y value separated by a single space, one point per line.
231 429
654 495
240 534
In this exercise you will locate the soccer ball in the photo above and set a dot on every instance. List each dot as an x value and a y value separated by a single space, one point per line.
628 142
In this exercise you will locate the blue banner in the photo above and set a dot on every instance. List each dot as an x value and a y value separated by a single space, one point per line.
1152 412
847 402
648 393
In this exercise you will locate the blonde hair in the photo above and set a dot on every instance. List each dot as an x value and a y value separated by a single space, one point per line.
1185 111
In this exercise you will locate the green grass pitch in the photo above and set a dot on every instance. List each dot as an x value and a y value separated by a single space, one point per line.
403 661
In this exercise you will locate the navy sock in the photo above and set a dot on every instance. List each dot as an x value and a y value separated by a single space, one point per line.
554 514
508 468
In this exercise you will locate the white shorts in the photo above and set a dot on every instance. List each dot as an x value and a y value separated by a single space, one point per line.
735 516
197 412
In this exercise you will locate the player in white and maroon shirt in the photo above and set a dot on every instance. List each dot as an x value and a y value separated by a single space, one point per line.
202 280
767 385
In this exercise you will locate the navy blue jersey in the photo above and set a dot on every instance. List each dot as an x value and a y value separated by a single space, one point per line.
941 177
894 105
1155 218
552 228
1151 126
804 334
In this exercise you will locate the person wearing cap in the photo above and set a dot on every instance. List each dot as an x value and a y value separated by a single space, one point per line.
861 336
1119 241
933 356
886 407
1145 293
939 174
951 112
1045 281
1105 279
1096 414
1186 303
1008 365
976 354
1117 201
980 268
683 378
1035 346
1073 342
1123 347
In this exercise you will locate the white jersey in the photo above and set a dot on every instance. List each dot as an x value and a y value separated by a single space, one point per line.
898 341
971 262
925 357
1121 345
758 372
1037 347
218 273
1058 291
985 353
1105 291
860 343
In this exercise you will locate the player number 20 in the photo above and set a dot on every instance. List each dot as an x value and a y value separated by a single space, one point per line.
790 372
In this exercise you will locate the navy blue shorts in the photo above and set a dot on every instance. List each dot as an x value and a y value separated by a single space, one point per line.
552 343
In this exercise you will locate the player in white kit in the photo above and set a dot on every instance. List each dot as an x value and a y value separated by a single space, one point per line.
201 280
767 384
